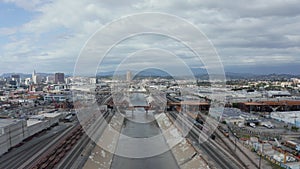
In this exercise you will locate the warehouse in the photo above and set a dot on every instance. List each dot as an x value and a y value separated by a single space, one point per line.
236 116
35 126
12 133
290 117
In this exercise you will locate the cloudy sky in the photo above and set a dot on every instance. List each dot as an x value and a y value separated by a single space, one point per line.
250 36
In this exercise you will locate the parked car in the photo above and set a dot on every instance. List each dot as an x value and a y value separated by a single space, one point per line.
252 125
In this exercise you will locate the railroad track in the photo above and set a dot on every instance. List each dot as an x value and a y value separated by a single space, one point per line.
251 160
23 154
71 158
238 148
225 145
231 151
212 153
207 147
57 151
60 150
45 151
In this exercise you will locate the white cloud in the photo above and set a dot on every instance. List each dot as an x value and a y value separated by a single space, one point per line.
7 31
243 34
26 4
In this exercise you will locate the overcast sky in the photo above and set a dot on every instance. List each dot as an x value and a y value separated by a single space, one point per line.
250 36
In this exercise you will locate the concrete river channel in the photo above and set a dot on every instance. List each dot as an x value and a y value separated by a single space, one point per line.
141 125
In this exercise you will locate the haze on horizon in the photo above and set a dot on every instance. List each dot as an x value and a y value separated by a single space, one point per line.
261 37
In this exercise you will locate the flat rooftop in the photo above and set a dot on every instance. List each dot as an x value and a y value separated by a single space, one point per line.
7 122
31 122
192 103
274 103
51 115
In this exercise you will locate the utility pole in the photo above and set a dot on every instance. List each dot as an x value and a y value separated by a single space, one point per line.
234 143
259 162
262 151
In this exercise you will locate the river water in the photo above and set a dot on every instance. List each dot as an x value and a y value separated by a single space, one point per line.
141 145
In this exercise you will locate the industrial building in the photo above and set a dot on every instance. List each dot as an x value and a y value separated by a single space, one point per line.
290 117
236 116
13 132
56 98
270 106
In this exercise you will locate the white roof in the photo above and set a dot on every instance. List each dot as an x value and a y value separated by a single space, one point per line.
51 115
32 122
7 122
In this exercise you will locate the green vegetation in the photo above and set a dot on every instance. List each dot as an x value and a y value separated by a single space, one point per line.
203 83
274 166
235 105
294 128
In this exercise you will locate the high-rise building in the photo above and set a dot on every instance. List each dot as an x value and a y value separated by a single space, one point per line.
128 76
93 80
68 80
16 78
50 79
36 79
27 81
33 77
33 73
59 78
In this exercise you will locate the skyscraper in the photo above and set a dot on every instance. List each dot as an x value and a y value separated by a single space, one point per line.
16 78
36 79
59 78
33 77
128 76
50 79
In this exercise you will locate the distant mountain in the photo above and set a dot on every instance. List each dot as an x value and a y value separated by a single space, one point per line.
107 74
22 75
231 75
199 73
202 74
25 75
275 77
151 72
